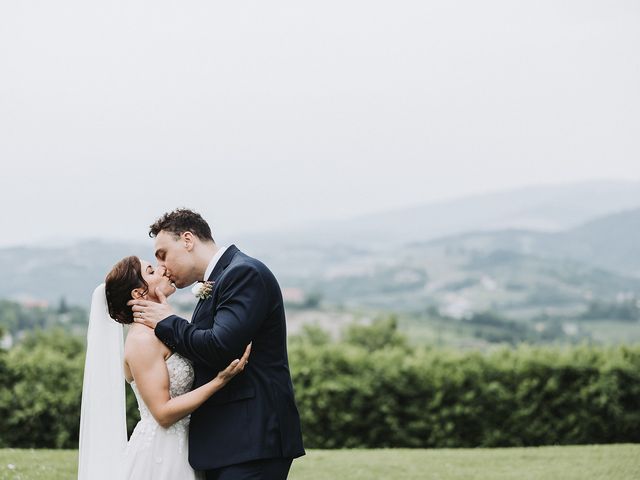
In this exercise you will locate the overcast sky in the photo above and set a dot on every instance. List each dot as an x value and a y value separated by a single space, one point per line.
264 114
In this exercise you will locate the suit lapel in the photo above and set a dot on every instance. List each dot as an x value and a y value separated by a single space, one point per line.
223 263
195 312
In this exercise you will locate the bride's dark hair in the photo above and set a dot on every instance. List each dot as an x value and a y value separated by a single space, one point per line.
125 276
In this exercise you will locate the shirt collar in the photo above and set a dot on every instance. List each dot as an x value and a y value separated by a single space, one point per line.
213 262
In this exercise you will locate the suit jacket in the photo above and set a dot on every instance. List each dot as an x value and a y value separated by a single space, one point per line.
254 416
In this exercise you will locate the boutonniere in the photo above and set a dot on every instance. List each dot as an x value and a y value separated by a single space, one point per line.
202 290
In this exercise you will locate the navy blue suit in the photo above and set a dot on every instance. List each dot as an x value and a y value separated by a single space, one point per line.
254 417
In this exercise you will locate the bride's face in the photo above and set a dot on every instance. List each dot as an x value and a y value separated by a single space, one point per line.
156 278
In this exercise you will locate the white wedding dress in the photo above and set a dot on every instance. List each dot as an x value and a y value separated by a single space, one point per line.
157 453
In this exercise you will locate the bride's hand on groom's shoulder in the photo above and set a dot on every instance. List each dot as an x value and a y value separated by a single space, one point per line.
150 313
235 367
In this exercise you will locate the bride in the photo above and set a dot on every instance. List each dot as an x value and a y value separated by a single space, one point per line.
161 381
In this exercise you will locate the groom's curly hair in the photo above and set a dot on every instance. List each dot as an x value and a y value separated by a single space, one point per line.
182 220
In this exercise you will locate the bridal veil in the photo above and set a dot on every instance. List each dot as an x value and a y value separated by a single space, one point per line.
103 426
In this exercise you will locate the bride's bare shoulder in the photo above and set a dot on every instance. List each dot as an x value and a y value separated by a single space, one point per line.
142 337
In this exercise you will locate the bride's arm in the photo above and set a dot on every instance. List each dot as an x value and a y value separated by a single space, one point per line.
150 373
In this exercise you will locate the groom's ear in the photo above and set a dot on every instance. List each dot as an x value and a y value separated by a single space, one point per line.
188 239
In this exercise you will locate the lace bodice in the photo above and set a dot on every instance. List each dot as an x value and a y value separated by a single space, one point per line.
180 382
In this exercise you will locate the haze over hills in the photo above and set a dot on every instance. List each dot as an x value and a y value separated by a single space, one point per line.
511 271
610 242
51 273
425 249
539 208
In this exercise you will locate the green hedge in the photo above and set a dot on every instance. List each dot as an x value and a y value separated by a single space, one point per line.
349 396
373 390
41 391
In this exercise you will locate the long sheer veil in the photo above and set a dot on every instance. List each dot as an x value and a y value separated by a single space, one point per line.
103 425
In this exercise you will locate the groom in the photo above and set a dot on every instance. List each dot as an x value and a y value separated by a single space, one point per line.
251 428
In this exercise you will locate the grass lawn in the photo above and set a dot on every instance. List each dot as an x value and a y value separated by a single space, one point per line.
605 462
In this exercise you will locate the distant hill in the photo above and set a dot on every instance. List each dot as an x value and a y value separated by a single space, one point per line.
70 272
411 258
519 273
538 208
611 242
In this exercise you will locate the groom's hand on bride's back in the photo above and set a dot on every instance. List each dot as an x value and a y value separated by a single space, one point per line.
150 313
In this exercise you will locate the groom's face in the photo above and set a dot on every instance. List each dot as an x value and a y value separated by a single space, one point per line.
173 253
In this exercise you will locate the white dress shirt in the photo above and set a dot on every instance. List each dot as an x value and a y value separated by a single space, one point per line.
213 262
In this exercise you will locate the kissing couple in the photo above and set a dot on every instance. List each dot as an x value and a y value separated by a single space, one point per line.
215 394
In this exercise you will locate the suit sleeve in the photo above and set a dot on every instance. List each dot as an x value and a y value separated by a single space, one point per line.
242 307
